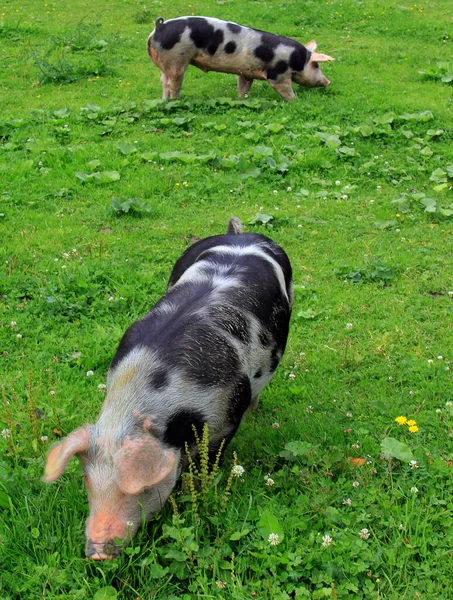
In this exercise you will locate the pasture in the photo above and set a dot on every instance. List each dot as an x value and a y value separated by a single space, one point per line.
103 186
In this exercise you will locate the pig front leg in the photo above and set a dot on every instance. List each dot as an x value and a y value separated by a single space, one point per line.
283 87
244 84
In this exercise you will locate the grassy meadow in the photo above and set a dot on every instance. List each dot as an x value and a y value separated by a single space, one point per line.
103 186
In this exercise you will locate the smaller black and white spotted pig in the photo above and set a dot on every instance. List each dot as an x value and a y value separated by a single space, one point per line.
223 46
201 355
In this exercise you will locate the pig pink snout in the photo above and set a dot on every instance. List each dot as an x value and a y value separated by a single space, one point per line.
102 551
106 534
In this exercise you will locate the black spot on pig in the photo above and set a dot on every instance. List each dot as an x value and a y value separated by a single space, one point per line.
258 374
264 53
180 427
230 48
265 339
159 379
169 34
230 320
298 59
208 358
270 39
278 69
234 28
203 35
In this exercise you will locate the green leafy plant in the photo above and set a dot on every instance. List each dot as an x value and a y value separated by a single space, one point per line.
131 205
443 72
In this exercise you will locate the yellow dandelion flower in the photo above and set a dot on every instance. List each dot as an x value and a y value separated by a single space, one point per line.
413 429
401 420
411 423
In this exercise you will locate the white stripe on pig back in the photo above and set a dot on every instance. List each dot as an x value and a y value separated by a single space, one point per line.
255 251
201 272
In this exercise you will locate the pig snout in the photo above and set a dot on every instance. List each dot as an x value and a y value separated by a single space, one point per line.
106 535
103 550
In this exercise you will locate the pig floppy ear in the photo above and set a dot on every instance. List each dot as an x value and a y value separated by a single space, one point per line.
59 456
316 57
311 46
142 462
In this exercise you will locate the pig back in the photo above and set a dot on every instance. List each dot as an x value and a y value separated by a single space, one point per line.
215 338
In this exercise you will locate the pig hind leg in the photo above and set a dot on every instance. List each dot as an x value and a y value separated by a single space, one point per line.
283 87
244 84
174 82
164 81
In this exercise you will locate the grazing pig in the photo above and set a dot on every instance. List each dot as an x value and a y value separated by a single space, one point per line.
215 45
201 355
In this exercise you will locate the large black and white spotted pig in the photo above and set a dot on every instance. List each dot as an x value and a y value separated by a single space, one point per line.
215 45
201 355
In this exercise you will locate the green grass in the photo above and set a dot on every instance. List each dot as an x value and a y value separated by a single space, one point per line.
83 255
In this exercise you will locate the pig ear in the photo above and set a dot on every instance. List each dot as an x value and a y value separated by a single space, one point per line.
142 462
59 456
311 46
316 57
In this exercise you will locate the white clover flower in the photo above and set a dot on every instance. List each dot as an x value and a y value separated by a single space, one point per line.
102 387
448 403
326 540
411 393
450 294
347 501
309 409
438 410
90 373
269 481
6 433
19 335
414 490
220 585
238 471
355 484
364 533
356 446
275 425
413 464
349 325
275 191
52 393
292 376
111 299
440 357
44 438
289 188
430 361
273 539
130 523
401 527
338 182
349 415
13 324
